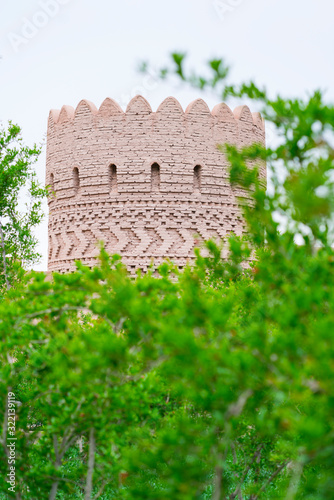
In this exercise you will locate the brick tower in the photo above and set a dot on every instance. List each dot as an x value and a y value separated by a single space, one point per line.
143 182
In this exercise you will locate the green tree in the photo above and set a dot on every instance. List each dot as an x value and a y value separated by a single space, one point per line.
18 243
214 382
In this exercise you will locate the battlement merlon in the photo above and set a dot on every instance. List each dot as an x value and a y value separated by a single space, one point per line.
91 139
170 108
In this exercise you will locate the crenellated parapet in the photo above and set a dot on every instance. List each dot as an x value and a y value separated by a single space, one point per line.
144 182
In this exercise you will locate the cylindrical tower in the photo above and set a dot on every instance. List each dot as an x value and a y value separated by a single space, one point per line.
143 182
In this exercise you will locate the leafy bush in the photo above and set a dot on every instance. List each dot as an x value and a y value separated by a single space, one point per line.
214 382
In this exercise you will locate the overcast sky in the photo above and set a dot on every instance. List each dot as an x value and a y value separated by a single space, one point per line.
56 52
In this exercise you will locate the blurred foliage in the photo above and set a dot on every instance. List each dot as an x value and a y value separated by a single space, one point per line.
214 382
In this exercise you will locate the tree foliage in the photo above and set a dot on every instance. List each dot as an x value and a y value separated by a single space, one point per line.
214 382
17 241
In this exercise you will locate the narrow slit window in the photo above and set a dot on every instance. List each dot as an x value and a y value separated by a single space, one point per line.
197 179
155 177
112 178
76 179
52 184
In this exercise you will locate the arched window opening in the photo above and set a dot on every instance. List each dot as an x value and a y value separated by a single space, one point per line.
197 178
52 184
112 178
76 179
155 177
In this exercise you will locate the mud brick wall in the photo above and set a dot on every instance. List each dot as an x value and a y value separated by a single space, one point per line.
151 185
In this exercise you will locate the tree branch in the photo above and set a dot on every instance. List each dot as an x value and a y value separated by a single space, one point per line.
294 483
48 311
53 491
91 463
99 493
277 471
4 256
54 487
67 441
217 488
255 457
235 461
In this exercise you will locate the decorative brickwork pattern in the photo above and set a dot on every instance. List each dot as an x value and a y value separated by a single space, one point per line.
151 185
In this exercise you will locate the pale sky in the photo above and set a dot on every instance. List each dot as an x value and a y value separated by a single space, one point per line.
57 52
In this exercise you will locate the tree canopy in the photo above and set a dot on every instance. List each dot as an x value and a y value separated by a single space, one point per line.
17 176
216 382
